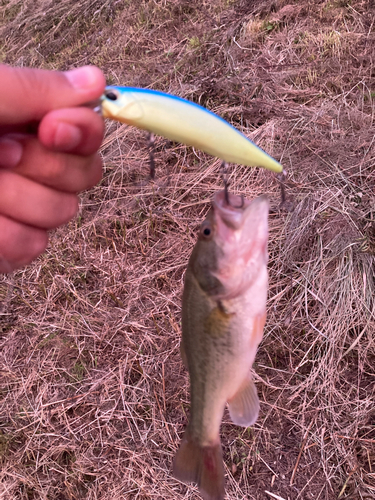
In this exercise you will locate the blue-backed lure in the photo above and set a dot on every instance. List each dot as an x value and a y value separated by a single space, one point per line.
183 121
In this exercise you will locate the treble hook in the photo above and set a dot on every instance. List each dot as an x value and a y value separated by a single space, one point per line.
287 205
224 176
151 145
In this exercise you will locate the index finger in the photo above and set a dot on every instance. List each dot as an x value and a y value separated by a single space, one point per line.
27 94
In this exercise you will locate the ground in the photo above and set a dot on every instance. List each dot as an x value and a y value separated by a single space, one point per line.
94 397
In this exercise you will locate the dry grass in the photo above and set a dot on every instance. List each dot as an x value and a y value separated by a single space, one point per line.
94 397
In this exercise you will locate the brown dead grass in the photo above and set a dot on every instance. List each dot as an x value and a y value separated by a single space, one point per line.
94 398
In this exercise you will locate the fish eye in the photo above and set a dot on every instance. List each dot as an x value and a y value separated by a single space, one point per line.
206 230
111 95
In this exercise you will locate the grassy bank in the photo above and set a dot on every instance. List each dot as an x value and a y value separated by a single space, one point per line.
94 397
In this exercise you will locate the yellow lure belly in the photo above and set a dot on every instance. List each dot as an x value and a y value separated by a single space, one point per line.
183 121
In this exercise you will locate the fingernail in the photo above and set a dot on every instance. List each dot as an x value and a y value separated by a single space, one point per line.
10 152
83 78
67 137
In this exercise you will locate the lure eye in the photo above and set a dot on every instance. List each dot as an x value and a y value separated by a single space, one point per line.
111 95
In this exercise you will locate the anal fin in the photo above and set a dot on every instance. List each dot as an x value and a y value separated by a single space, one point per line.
244 405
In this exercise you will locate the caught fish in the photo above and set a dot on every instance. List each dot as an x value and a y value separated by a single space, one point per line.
183 121
223 315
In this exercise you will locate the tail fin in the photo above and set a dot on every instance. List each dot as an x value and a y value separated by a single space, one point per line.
202 465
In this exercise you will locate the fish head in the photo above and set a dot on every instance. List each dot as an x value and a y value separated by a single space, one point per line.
231 252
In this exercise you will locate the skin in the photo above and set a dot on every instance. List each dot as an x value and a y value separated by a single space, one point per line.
48 154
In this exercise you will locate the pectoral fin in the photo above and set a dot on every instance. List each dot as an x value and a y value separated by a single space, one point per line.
244 405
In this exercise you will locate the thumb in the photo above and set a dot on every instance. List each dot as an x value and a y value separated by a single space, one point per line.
27 94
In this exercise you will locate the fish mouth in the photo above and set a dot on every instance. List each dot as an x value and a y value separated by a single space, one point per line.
231 208
241 234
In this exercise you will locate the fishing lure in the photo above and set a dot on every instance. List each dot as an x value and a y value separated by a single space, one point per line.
183 121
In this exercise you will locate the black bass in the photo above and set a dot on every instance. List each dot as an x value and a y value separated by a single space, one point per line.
223 315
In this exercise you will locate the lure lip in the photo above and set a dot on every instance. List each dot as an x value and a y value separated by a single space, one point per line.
96 105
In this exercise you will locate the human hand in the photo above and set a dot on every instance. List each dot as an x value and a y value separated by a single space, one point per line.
48 154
